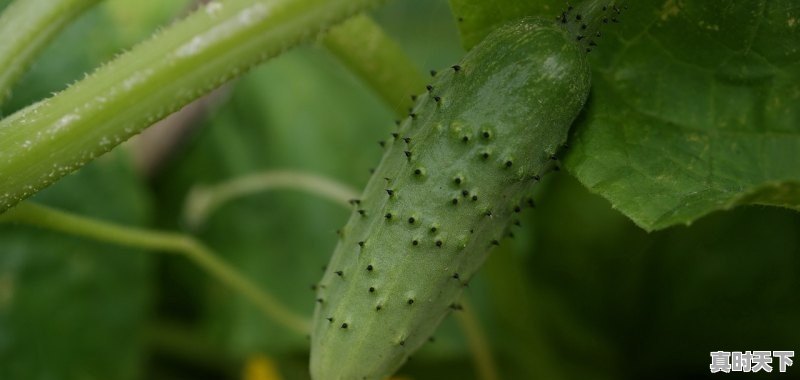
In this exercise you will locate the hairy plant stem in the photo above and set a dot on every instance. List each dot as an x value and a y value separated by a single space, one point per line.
26 27
219 41
202 201
44 217
364 48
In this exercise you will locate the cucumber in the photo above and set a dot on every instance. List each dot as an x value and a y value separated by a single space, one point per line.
447 189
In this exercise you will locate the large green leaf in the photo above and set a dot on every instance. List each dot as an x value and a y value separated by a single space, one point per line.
694 108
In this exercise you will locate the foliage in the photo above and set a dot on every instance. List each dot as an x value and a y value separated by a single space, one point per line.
693 110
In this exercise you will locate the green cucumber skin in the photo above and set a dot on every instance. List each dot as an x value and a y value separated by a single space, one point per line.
523 85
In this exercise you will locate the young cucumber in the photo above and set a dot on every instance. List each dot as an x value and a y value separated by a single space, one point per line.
445 192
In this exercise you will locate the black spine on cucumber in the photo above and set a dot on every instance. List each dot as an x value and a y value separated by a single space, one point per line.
446 192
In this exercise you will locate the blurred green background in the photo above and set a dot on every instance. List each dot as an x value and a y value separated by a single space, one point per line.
580 293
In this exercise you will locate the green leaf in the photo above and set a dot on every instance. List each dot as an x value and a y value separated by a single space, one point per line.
72 308
694 109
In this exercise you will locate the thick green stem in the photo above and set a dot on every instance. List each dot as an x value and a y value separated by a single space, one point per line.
366 50
54 137
26 27
44 217
203 201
